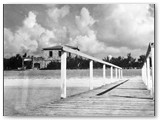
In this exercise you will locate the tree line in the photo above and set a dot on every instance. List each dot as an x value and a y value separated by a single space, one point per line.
128 62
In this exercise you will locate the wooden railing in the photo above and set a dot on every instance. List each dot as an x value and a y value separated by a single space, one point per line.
118 70
148 69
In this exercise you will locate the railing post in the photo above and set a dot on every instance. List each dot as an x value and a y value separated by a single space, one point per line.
145 73
104 73
142 73
152 58
91 74
119 73
111 72
116 72
63 74
148 73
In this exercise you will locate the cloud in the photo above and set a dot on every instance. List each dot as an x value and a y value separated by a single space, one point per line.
84 21
30 38
127 25
99 30
86 40
30 21
88 43
55 14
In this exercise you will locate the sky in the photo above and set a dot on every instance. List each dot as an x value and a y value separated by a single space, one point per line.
96 29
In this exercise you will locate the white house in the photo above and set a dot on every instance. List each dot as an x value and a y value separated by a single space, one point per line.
52 54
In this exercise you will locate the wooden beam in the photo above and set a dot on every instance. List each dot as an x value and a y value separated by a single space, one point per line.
91 74
152 57
142 73
63 74
87 56
104 73
145 74
148 74
111 72
119 73
116 72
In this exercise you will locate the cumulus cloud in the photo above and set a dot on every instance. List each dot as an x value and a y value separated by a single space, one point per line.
57 14
99 30
30 38
31 20
86 40
88 43
127 25
84 21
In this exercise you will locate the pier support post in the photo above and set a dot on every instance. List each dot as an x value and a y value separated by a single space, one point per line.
91 74
145 74
104 73
111 72
148 73
63 74
142 73
152 58
116 72
119 73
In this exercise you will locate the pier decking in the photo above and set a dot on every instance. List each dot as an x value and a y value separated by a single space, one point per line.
122 98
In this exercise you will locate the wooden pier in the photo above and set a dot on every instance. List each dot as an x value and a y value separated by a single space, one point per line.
132 97
122 98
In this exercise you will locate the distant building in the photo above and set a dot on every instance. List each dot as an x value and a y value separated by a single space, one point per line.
109 57
38 62
54 53
51 54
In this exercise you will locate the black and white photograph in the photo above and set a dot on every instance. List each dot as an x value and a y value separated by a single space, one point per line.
79 60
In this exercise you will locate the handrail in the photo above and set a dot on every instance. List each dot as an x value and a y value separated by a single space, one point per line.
64 50
150 46
146 76
67 49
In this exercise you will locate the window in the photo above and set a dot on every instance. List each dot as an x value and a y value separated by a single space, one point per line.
69 54
59 53
50 54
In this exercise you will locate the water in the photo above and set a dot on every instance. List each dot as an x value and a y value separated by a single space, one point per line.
25 90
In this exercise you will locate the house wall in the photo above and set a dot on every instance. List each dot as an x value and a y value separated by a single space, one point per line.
55 55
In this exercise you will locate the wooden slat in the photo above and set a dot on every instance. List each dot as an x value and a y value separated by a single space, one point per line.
63 74
128 99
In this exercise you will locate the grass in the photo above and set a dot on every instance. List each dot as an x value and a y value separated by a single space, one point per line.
32 88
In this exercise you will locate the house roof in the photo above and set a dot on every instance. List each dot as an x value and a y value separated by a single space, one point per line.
59 47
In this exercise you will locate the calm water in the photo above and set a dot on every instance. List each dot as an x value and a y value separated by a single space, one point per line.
44 86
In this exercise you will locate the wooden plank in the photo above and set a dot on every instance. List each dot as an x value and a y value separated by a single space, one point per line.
119 74
104 73
152 53
122 73
111 72
63 74
145 73
91 74
116 72
148 74
111 103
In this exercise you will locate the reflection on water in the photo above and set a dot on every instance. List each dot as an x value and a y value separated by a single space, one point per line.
25 90
19 100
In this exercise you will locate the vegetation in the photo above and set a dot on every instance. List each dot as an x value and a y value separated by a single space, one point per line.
77 62
128 62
